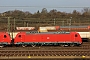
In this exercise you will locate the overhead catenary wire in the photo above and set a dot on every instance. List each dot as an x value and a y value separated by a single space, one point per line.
48 6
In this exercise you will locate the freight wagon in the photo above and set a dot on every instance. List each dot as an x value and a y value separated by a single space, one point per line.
48 38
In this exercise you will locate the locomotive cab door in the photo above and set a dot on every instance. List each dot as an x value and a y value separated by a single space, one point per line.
0 37
22 38
74 39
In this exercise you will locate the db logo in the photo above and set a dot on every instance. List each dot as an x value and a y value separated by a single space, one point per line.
48 38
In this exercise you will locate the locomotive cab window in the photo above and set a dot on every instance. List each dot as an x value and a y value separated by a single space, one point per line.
76 35
19 36
5 36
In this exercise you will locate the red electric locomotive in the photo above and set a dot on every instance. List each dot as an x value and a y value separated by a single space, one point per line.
48 38
4 39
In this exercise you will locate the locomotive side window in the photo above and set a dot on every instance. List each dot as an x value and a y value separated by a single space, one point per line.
19 36
5 36
76 35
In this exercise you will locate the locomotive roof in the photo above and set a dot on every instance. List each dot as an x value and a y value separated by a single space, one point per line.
48 32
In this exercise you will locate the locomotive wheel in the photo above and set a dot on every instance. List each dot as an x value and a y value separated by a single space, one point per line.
62 45
24 45
33 45
72 45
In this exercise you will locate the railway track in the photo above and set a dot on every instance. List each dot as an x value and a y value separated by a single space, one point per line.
83 47
46 48
44 54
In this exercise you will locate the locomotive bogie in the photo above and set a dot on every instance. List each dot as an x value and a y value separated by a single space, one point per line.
41 44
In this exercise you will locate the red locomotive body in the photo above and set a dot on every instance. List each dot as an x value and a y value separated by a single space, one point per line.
48 38
4 39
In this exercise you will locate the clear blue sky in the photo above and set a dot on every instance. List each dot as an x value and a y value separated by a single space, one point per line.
39 4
